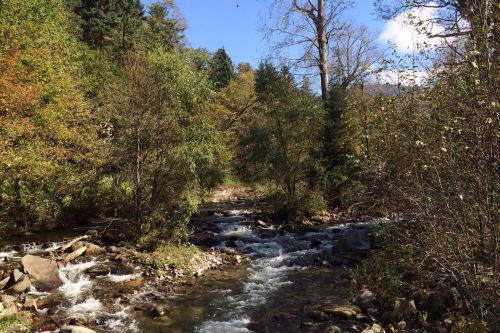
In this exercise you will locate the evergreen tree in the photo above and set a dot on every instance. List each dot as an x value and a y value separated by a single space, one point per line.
221 69
166 30
338 153
110 22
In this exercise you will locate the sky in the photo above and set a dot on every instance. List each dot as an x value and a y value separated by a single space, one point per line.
236 25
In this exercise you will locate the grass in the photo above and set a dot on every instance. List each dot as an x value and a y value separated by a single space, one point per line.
178 256
7 322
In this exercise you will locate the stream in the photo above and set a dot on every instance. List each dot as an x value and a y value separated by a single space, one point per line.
286 273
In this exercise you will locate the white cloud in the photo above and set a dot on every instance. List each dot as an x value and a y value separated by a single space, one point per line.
405 78
402 30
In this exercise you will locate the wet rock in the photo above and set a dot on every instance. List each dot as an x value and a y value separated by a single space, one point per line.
318 315
43 272
160 310
365 299
401 325
260 223
333 329
342 312
75 329
98 270
375 328
365 318
78 320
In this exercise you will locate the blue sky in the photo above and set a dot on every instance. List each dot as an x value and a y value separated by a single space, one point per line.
235 24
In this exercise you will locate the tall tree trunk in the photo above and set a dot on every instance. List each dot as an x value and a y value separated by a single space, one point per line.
322 45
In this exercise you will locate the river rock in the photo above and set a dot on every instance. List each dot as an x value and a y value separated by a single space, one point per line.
365 299
376 328
261 223
30 303
333 329
16 276
43 272
318 315
91 248
342 312
404 309
9 304
75 329
23 285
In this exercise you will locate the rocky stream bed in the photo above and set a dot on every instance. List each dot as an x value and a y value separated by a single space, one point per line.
252 276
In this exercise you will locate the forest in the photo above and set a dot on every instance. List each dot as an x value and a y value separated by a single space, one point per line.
109 117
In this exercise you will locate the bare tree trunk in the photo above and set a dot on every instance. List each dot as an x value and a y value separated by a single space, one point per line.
322 45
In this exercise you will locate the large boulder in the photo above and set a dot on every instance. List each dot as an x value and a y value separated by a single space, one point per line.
91 248
43 272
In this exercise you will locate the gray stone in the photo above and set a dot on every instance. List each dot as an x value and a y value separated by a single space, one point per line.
366 299
374 329
16 276
43 272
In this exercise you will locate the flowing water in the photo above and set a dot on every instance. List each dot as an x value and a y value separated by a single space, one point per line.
286 272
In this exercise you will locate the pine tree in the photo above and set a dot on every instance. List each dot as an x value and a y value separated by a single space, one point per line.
338 153
221 69
109 23
166 30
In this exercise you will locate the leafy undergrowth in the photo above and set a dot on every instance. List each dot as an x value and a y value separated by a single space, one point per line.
395 271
